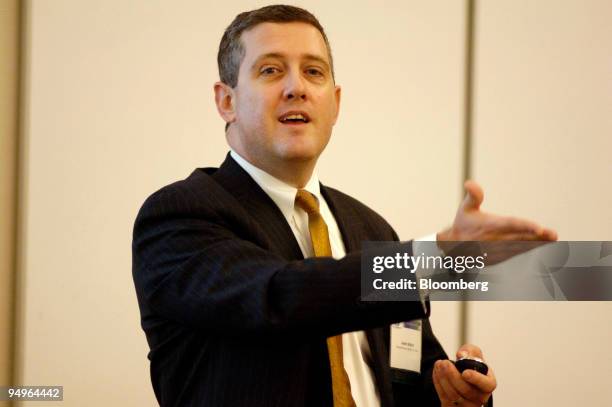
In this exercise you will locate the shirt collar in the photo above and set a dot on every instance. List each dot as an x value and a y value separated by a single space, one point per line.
280 192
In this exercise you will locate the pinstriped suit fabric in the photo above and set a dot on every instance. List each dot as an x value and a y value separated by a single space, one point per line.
234 316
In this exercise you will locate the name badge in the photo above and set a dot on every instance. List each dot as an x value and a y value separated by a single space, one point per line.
406 346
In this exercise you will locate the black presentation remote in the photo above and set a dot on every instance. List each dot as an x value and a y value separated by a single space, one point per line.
471 363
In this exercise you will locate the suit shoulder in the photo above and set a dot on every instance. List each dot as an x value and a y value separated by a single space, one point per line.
195 191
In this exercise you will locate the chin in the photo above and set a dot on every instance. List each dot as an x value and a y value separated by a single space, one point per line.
300 151
303 148
299 156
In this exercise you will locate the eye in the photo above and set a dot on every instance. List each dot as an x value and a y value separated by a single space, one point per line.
269 70
314 72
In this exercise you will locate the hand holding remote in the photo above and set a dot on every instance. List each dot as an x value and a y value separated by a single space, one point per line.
473 363
467 382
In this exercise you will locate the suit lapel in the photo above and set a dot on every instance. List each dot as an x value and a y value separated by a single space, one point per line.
350 225
261 208
353 233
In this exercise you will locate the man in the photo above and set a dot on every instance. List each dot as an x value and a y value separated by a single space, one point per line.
237 309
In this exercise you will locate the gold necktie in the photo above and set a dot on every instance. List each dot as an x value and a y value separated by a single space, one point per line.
319 236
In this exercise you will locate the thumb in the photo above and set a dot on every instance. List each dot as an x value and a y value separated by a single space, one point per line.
474 196
469 350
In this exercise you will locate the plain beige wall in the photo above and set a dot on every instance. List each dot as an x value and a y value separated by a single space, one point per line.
9 55
543 144
119 103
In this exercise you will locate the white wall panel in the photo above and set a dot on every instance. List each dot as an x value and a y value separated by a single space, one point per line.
543 137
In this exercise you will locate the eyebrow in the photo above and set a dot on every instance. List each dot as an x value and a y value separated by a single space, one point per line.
311 57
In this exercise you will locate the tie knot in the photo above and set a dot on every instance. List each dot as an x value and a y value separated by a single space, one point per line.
307 201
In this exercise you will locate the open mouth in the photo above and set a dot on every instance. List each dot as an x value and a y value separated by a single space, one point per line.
294 118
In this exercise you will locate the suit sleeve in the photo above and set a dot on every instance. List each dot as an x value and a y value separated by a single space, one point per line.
190 267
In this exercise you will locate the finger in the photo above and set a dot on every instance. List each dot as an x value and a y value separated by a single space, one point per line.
544 234
549 234
510 224
523 237
451 375
517 237
474 196
486 384
505 233
436 380
449 390
471 350
523 228
452 397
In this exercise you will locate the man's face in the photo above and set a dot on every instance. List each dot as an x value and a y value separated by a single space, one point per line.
285 101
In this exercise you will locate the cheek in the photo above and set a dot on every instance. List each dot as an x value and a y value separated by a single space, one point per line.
329 116
328 103
249 107
260 109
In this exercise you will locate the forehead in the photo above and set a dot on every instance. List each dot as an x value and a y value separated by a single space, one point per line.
288 39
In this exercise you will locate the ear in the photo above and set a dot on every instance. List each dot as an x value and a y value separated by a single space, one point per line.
225 98
337 95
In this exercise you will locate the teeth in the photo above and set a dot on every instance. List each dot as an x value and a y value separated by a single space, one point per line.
294 117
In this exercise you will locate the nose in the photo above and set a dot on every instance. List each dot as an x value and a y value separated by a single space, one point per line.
295 88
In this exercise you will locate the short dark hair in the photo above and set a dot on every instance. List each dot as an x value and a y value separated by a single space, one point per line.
231 50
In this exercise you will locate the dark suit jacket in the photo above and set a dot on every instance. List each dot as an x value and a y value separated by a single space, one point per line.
233 314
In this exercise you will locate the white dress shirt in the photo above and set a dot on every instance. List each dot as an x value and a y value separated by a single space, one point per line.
356 350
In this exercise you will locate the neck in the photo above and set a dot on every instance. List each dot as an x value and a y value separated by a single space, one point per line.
292 171
296 173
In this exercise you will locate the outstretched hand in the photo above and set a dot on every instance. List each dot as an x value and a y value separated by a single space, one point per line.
472 224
